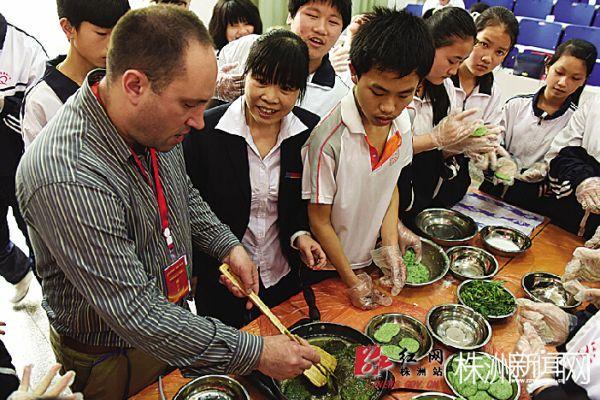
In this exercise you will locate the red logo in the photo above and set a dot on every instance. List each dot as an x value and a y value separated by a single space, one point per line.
4 77
369 362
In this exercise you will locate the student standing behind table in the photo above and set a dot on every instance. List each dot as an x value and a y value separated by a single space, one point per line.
439 175
438 4
533 121
353 159
574 173
22 60
253 144
87 26
319 24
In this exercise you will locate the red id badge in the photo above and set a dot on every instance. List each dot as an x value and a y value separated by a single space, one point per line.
176 280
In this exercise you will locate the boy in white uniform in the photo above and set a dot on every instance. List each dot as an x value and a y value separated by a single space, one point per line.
87 26
353 159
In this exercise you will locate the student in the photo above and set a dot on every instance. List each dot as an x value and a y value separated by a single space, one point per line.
574 172
254 144
533 121
319 24
233 19
354 157
434 5
22 60
87 26
179 3
497 31
439 176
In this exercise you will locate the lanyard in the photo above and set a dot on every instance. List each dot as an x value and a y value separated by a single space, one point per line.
163 209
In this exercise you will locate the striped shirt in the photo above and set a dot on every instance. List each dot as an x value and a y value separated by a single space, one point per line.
95 229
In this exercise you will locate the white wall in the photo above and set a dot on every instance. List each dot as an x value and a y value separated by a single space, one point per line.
39 18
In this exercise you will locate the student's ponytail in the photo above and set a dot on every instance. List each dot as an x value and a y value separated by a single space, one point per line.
581 49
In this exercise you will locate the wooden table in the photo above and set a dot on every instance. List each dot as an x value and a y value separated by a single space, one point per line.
551 250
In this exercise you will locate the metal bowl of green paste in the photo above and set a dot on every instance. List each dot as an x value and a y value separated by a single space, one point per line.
433 266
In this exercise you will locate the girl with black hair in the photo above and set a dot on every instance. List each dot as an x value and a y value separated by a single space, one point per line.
533 121
247 165
233 19
439 175
497 31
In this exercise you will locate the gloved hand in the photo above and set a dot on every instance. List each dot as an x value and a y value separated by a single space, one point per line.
339 58
584 266
42 391
549 321
530 344
408 240
583 293
366 297
478 145
594 242
588 194
536 173
506 170
454 128
229 86
389 260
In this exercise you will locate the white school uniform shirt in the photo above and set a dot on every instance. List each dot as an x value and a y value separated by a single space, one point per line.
421 110
581 130
529 131
324 88
429 4
342 169
261 238
44 99
486 97
585 367
22 63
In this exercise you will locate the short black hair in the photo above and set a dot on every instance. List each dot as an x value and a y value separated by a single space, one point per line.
154 40
173 2
279 57
231 12
450 23
394 41
478 8
343 6
499 16
102 13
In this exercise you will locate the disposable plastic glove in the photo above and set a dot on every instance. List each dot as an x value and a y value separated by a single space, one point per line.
588 194
506 171
408 240
454 128
365 296
43 390
536 173
594 242
389 259
340 58
478 145
584 266
550 322
229 86
583 293
530 344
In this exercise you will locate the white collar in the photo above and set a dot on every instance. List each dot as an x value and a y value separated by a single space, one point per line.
351 116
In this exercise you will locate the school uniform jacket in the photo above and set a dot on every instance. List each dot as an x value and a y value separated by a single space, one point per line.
217 163
22 60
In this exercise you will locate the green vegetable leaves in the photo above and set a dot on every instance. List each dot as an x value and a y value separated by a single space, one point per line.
416 272
488 298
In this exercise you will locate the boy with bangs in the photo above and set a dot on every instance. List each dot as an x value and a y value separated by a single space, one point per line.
353 159
319 23
87 26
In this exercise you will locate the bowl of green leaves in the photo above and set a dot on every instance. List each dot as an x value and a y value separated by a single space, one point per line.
400 336
433 266
489 298
480 376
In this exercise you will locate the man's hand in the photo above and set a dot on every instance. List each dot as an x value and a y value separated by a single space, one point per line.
241 265
311 253
283 358
42 390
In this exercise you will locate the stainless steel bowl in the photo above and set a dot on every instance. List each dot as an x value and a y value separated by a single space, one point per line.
468 262
409 327
458 326
498 366
446 227
436 261
545 287
498 240
212 387
433 396
489 317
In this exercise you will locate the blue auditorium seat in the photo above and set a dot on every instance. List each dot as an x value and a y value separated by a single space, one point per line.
533 8
509 61
503 3
414 9
589 33
574 13
533 32
594 79
469 3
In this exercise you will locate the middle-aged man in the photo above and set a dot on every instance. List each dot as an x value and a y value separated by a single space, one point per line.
112 217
